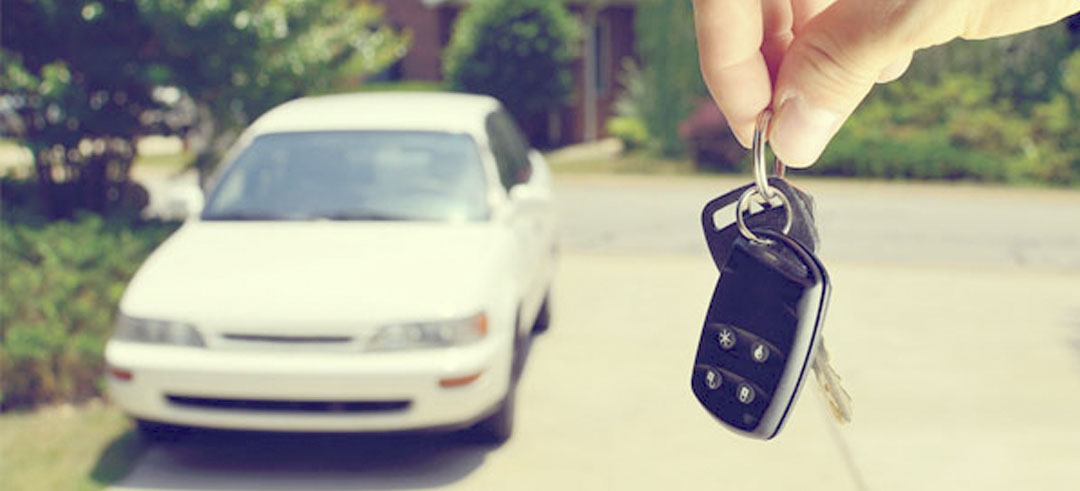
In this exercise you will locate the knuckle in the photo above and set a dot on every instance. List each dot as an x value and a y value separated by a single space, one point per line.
839 73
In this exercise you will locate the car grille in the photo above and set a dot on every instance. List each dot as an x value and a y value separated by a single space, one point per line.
287 339
341 342
290 406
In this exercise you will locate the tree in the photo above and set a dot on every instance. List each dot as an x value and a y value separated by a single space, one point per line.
670 74
518 51
81 81
237 59
76 78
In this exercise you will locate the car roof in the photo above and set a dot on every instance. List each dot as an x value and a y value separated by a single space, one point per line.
418 111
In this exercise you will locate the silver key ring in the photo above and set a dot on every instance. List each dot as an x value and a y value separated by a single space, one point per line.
744 205
761 178
761 131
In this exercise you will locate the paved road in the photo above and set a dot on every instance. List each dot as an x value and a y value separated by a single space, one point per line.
955 321
860 222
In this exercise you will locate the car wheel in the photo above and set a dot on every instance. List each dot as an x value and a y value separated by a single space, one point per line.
152 431
497 428
543 318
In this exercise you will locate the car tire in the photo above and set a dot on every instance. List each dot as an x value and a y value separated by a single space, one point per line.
152 431
543 317
496 428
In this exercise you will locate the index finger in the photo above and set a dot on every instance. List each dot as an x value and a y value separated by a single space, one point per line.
730 33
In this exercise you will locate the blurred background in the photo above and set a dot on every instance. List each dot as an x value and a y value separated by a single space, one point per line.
948 208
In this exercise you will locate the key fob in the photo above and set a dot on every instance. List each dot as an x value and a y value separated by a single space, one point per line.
760 333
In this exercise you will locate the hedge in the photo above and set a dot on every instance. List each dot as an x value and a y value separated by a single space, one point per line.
60 283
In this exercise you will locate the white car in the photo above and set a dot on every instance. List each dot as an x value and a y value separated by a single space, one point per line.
364 262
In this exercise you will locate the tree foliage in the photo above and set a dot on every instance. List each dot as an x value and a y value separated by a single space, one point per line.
236 59
81 81
518 51
670 75
999 110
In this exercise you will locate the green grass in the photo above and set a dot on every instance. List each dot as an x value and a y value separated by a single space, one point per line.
85 448
634 163
171 161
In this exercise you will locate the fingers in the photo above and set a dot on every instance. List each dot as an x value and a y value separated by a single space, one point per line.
730 35
835 60
895 69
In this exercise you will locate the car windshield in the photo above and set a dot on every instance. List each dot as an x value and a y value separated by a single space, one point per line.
353 175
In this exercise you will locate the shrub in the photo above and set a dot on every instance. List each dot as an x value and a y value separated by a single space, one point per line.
630 130
60 284
518 51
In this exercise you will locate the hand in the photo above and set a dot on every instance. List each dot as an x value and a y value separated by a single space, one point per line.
813 61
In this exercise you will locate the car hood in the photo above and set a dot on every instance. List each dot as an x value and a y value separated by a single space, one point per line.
269 274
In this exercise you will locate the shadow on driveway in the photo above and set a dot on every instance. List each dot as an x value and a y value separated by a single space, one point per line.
270 461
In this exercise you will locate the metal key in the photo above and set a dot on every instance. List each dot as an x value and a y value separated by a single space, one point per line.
829 382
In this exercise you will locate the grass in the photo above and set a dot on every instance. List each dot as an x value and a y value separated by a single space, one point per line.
170 161
84 448
633 163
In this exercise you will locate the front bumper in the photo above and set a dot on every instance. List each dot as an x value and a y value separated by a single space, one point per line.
308 391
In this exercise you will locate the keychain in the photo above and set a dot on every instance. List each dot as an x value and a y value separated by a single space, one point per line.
762 331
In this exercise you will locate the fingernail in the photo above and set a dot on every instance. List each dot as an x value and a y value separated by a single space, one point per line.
800 132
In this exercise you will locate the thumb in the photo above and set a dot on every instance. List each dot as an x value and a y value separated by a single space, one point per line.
836 58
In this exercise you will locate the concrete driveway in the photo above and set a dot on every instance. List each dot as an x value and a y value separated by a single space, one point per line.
955 321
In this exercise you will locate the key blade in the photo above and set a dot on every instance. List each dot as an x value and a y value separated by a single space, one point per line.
829 382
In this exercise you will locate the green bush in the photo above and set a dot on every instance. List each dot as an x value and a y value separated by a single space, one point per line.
59 287
518 51
959 125
630 130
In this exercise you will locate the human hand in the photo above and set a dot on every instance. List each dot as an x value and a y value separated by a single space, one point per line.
815 60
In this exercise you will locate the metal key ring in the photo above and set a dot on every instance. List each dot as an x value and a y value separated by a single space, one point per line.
761 131
743 205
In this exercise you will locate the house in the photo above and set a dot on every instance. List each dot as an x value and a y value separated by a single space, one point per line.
608 39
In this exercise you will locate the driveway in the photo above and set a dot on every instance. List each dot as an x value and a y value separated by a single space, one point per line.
955 322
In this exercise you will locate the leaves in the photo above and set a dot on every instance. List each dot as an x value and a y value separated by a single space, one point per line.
61 283
518 51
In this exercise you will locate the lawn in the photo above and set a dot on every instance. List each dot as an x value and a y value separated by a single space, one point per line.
634 163
65 447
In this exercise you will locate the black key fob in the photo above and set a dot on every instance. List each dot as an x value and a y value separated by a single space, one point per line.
760 333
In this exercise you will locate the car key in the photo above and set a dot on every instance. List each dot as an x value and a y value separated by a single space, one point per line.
803 230
838 399
771 217
761 333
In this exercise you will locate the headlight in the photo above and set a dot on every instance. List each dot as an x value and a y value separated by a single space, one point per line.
430 334
156 331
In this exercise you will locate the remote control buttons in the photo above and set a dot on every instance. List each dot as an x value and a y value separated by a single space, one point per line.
725 337
745 393
713 379
759 352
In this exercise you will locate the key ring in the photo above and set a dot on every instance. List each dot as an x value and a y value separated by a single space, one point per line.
761 131
762 188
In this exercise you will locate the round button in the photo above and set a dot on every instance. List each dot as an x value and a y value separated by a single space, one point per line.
726 337
713 379
745 393
759 352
